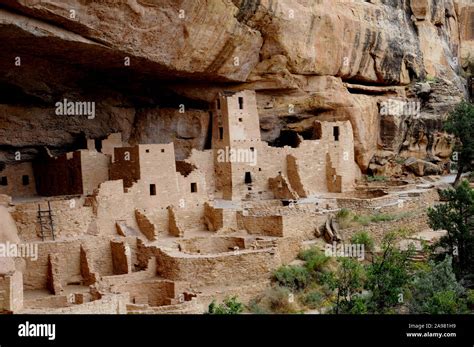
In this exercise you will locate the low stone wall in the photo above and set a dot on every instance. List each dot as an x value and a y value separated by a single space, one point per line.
188 307
262 225
210 245
69 266
225 269
108 304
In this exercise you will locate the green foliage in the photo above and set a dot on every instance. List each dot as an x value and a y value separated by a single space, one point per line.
456 216
274 300
229 306
431 79
388 276
380 217
313 299
376 178
470 298
460 123
348 283
294 277
434 290
344 218
363 238
343 213
315 259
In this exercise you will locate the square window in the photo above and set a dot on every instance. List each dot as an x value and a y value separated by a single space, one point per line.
162 150
240 119
147 150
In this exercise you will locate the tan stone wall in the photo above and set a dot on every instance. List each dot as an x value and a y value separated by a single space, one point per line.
95 170
246 266
263 225
68 254
204 161
108 304
71 218
153 292
110 143
14 176
211 245
11 291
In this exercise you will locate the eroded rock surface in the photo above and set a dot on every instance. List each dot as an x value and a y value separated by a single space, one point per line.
141 62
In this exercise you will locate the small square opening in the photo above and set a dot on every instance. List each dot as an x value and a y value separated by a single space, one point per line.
194 187
162 150
147 150
152 189
240 119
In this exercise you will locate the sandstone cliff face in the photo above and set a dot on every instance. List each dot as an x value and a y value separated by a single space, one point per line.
142 61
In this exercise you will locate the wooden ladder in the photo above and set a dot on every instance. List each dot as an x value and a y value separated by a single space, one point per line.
45 219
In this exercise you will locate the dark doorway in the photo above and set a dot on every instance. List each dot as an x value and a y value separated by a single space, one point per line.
98 145
25 180
221 133
248 178
194 188
335 132
152 189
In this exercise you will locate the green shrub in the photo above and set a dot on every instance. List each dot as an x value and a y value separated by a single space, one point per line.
313 299
363 219
315 259
380 217
435 290
344 213
294 277
229 306
376 178
278 300
470 298
344 218
363 238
